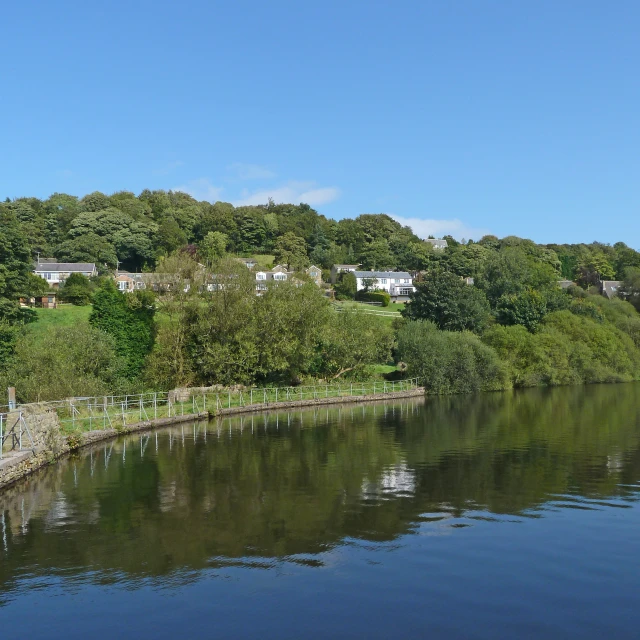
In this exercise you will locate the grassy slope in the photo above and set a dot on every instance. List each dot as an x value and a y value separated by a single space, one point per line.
64 316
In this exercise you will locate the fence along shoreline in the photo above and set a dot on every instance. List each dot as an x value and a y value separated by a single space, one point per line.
59 427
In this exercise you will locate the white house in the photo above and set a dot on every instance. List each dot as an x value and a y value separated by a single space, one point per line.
398 284
439 244
277 274
55 273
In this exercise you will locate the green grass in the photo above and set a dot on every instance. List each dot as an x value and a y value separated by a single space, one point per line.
64 316
89 415
264 260
386 314
381 369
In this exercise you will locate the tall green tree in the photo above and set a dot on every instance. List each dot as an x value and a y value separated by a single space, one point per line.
129 319
213 246
445 299
291 250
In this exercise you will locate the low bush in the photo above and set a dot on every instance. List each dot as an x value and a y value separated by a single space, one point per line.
449 362
374 296
63 362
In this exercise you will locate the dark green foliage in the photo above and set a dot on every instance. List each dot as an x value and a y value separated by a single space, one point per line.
8 335
514 278
291 251
351 341
381 297
630 289
346 286
15 256
447 361
89 247
129 319
36 286
77 289
513 270
584 307
567 349
527 308
443 298
63 362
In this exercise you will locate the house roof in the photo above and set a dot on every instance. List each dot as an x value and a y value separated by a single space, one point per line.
382 274
66 266
610 287
345 266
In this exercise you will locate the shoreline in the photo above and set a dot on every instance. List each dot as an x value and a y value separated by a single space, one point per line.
18 465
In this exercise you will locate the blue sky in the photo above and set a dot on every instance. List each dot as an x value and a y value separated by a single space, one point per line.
460 117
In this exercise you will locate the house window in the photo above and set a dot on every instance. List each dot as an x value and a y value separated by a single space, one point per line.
123 285
47 276
279 276
383 281
261 286
261 276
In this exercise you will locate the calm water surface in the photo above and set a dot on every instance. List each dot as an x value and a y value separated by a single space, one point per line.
495 516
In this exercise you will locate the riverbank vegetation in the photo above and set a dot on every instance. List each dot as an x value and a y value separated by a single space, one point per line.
486 315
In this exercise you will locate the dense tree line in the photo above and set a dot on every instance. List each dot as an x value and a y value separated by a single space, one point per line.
516 326
136 231
513 326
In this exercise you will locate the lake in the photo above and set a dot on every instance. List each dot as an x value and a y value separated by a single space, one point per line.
490 516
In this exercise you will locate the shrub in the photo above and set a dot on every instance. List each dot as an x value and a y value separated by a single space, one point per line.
532 359
449 362
77 289
374 296
63 362
129 318
600 352
346 286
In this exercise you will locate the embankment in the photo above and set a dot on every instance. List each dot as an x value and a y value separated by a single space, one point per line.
50 443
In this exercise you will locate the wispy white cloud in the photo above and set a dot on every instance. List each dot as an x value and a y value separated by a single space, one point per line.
201 189
294 192
243 171
438 228
168 168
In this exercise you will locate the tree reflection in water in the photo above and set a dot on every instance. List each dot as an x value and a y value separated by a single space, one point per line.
259 489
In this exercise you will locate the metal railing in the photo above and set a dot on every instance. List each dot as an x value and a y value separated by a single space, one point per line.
14 434
116 412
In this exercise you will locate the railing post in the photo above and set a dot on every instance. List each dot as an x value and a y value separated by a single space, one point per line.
155 405
1 439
